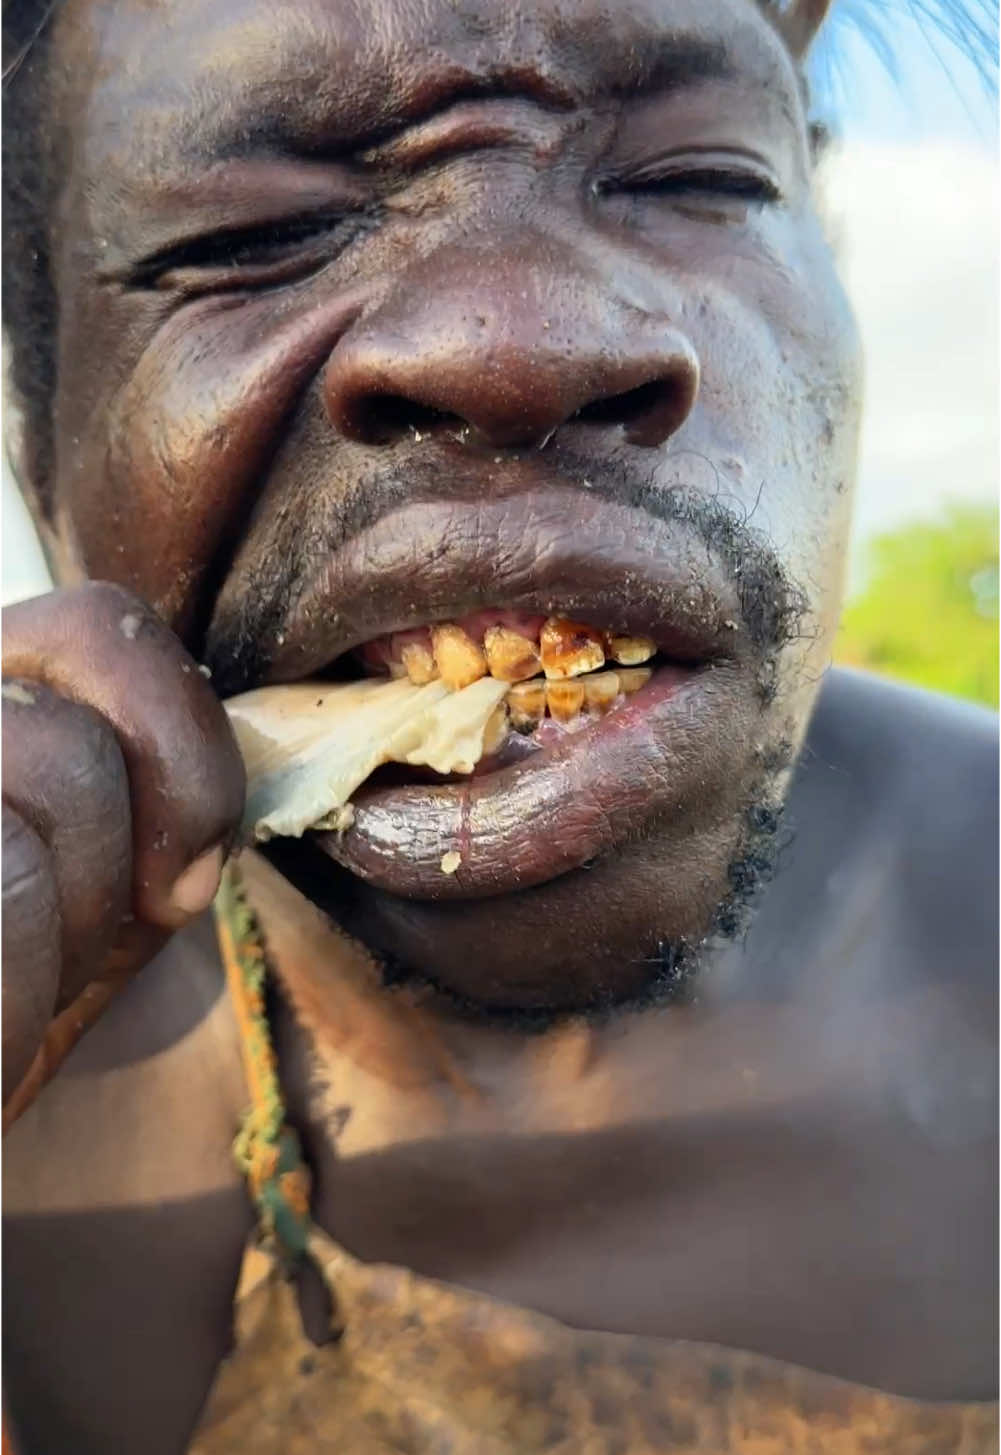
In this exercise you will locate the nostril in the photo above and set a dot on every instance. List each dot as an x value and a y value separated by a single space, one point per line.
650 412
382 418
624 408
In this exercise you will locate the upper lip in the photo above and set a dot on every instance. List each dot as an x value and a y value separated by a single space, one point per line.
541 549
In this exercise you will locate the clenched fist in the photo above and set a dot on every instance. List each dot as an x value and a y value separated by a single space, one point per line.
122 790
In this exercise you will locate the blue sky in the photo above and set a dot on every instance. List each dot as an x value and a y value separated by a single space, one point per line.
912 198
937 93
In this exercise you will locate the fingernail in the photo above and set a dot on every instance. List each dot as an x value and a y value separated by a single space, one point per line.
195 889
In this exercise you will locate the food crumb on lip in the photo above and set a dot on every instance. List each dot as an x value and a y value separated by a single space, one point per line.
338 821
450 861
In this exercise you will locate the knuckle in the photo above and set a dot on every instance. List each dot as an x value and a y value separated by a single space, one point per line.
62 762
113 614
31 936
29 888
105 600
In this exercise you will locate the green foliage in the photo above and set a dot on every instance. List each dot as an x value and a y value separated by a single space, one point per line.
929 611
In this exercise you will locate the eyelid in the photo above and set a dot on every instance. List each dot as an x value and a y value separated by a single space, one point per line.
208 250
230 194
190 282
705 162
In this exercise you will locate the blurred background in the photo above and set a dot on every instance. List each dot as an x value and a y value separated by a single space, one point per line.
910 187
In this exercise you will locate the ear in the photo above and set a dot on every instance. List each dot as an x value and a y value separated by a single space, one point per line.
799 23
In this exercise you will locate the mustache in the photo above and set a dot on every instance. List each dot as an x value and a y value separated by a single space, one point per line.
286 548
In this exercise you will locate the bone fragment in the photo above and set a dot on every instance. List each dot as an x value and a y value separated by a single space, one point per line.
308 746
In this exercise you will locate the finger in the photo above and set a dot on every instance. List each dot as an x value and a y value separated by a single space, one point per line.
65 775
31 934
99 645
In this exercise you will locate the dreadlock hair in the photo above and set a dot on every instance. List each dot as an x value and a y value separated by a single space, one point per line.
30 310
30 306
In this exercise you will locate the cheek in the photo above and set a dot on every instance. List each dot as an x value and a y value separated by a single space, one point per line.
158 482
781 393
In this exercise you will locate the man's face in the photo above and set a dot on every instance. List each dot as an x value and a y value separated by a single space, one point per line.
373 315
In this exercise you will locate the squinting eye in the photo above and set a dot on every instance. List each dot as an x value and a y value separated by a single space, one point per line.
704 189
231 255
706 182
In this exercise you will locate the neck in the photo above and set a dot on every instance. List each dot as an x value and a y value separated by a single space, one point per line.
372 1067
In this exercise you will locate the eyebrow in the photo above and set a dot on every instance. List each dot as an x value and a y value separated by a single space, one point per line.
365 123
671 64
674 63
313 102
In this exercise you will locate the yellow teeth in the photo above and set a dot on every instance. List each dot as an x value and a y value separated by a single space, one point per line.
600 690
569 648
419 663
571 654
631 651
510 656
526 703
631 679
459 660
564 699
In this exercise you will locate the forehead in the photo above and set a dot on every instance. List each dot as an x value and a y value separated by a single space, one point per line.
204 77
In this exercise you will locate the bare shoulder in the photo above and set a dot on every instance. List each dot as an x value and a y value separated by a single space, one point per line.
911 746
125 1220
914 775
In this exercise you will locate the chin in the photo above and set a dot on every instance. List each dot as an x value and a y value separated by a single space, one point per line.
625 930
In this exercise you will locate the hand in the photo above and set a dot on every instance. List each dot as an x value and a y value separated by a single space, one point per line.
122 791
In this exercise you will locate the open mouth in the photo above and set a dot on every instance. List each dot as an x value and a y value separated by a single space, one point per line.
615 687
502 782
563 676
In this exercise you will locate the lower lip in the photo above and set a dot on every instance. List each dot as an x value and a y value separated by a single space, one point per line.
523 825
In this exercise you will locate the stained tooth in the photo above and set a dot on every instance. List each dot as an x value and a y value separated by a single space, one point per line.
460 661
568 648
527 705
496 729
419 663
510 656
600 690
631 651
397 670
564 699
631 679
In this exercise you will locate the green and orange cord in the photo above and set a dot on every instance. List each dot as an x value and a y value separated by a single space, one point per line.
266 1149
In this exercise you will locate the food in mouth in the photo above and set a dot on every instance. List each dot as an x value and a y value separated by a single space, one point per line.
443 698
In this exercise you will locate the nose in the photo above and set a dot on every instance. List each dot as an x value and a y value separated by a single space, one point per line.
510 354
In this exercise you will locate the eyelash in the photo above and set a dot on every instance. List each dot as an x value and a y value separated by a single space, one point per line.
701 181
241 248
246 248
